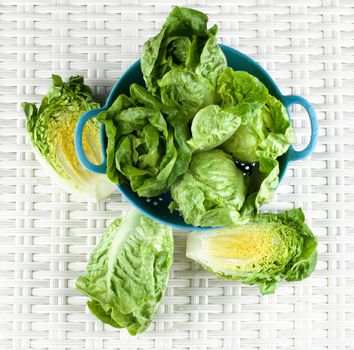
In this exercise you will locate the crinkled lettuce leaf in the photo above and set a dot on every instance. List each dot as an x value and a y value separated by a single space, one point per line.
182 63
241 91
269 248
127 272
142 147
51 129
211 192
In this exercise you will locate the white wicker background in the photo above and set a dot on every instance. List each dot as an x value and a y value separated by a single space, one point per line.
47 234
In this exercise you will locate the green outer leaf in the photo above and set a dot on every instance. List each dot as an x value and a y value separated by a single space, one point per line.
127 272
241 91
280 133
182 89
212 64
280 137
193 19
293 257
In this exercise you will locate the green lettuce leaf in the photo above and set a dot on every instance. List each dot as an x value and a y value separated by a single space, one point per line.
267 132
127 272
269 248
211 192
211 127
176 120
182 63
142 147
241 91
181 89
51 129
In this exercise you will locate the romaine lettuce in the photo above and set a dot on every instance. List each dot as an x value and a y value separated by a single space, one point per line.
269 248
142 147
127 272
241 91
211 192
51 130
182 63
265 133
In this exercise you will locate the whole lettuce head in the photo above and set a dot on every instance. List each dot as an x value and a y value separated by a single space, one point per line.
265 126
127 272
267 249
211 192
182 63
51 129
265 132
142 147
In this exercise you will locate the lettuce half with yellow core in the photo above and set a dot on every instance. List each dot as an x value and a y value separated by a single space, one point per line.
266 250
127 272
51 129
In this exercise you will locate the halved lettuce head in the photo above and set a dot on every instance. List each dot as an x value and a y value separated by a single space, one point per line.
269 248
211 192
182 63
51 129
127 272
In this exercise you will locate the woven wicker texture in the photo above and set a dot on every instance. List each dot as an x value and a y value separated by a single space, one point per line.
47 234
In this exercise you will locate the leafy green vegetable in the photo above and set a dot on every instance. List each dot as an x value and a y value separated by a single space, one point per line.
180 88
127 272
51 130
265 133
211 192
212 126
269 248
182 63
142 147
243 144
241 91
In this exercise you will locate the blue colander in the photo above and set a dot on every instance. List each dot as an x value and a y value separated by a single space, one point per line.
157 207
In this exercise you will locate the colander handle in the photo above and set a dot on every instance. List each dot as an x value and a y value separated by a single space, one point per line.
100 169
288 102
